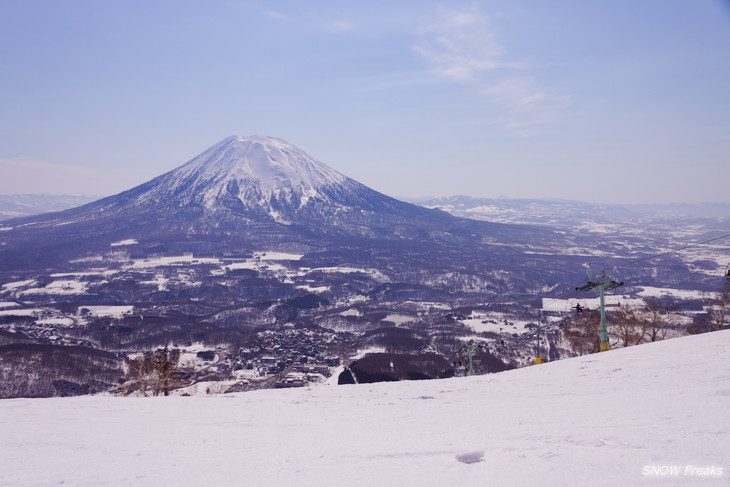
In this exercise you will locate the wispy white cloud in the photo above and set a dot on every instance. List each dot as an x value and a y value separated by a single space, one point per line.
398 80
273 14
459 45
258 7
518 93
339 26
525 104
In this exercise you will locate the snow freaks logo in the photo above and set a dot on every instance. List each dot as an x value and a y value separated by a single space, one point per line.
681 471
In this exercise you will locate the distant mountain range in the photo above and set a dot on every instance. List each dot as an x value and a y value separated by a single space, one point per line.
20 205
558 212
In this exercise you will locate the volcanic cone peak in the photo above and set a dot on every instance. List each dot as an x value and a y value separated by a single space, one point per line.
252 166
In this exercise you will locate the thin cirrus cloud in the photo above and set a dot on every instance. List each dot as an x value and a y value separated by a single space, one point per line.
338 26
258 7
519 93
397 80
524 104
461 46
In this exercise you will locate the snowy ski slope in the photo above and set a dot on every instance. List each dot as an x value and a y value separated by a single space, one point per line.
654 414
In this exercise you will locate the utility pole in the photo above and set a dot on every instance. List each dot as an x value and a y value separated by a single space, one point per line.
604 281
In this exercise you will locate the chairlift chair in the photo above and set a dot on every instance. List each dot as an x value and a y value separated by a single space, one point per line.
579 305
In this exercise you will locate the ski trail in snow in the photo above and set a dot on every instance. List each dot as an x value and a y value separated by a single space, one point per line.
352 373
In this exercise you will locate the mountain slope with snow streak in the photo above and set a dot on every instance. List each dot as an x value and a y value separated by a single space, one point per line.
615 418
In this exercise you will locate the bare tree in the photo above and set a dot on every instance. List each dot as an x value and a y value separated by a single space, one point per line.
718 310
142 373
628 326
155 372
166 366
581 331
658 320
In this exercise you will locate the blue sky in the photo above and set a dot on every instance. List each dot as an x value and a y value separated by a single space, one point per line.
625 101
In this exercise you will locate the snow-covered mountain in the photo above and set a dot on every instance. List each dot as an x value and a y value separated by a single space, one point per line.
625 417
247 191
258 176
259 172
245 178
254 177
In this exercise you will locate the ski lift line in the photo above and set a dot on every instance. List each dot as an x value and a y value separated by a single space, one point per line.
626 264
571 290
559 296
566 293
632 262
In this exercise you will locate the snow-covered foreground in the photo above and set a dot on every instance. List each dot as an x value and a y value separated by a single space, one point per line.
608 419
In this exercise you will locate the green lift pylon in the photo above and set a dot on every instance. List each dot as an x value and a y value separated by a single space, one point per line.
603 280
469 350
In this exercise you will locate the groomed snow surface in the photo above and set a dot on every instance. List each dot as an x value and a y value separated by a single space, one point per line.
655 414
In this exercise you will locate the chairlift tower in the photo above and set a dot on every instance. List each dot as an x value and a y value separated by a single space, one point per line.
603 280
469 350
538 359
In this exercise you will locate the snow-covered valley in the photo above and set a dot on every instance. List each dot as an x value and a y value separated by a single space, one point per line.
654 414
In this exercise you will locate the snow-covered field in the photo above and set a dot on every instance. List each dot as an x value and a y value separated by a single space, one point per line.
113 311
129 241
657 292
22 312
654 415
66 286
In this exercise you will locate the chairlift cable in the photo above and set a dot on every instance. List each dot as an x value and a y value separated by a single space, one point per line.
625 264
635 261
